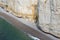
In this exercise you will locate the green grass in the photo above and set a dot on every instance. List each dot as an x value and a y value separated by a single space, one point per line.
9 32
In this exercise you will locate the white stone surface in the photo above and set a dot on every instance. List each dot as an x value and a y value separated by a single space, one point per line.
49 16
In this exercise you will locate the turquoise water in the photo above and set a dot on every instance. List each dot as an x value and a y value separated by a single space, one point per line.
9 32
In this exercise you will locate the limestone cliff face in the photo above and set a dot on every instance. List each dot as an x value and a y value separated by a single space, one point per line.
22 8
49 16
